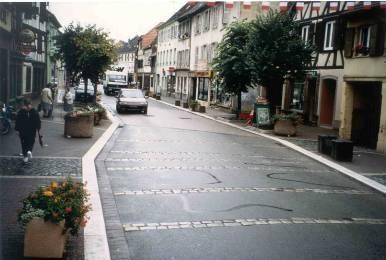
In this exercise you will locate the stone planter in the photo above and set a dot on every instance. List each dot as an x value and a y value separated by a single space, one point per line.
44 239
201 109
185 105
284 127
79 126
177 103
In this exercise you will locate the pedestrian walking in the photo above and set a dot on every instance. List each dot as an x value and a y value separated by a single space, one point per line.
47 101
68 101
27 124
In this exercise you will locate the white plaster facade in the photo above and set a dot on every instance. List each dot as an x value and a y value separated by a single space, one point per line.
167 43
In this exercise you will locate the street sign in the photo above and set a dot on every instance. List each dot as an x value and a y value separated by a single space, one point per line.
262 114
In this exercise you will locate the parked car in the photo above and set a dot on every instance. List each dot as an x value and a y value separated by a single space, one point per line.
131 99
80 95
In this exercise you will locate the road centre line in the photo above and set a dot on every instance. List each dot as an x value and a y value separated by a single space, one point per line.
247 222
234 189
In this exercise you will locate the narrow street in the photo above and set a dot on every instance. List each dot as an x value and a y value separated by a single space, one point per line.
178 186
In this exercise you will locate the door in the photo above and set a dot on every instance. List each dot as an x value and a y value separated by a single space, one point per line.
366 114
327 102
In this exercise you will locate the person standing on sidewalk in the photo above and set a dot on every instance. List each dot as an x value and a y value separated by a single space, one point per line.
68 101
27 124
47 101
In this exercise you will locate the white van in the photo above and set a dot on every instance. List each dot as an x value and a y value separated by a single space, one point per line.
113 81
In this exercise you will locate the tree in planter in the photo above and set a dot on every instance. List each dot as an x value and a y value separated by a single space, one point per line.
276 50
87 53
231 64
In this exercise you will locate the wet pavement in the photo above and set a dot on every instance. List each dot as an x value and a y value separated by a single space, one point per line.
178 186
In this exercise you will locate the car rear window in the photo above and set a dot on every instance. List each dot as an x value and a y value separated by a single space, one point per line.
132 94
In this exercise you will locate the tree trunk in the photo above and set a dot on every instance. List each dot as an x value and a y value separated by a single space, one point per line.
238 105
95 93
85 89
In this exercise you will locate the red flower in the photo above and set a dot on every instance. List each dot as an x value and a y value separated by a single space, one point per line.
68 210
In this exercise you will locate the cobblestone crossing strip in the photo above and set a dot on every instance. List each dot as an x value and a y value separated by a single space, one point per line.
198 168
206 154
247 222
233 189
197 159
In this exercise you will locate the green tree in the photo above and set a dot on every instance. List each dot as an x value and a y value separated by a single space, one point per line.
276 50
230 64
87 52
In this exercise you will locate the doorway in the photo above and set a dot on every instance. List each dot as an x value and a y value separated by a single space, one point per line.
366 113
327 102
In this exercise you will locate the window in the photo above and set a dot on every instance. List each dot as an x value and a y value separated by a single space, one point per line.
364 36
203 52
206 21
203 85
196 56
28 86
329 36
215 12
305 33
198 24
174 59
3 15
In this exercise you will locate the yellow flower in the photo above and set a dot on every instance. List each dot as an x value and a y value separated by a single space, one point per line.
54 185
48 193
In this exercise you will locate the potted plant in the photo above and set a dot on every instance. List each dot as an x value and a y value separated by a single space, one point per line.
194 104
79 123
99 112
285 124
361 49
50 214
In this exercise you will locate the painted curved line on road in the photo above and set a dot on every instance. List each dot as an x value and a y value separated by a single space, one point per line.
211 175
306 182
253 205
284 166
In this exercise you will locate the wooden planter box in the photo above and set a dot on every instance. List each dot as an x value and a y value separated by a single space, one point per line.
284 127
158 97
44 239
177 103
194 108
202 109
79 126
185 105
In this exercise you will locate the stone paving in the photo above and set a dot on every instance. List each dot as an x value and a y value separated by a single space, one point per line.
58 159
247 222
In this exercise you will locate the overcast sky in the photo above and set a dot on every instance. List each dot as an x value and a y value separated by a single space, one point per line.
123 19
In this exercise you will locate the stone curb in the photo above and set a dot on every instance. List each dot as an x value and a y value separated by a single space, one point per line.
95 239
354 175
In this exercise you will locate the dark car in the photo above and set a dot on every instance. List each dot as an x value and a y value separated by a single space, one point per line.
80 96
131 99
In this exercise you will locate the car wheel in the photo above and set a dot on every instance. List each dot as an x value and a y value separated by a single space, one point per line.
145 111
106 93
118 109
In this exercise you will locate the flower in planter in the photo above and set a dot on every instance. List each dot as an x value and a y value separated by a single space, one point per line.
67 200
293 117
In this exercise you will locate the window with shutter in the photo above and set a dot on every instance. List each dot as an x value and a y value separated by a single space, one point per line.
348 43
311 33
319 36
377 40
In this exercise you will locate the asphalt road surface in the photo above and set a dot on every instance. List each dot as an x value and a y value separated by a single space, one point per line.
185 187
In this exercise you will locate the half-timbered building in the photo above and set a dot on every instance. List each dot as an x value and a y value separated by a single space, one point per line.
317 95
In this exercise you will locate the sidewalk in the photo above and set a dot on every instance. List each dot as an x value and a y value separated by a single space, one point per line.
366 162
59 158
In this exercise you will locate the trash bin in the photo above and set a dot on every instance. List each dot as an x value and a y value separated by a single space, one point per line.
342 150
324 143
